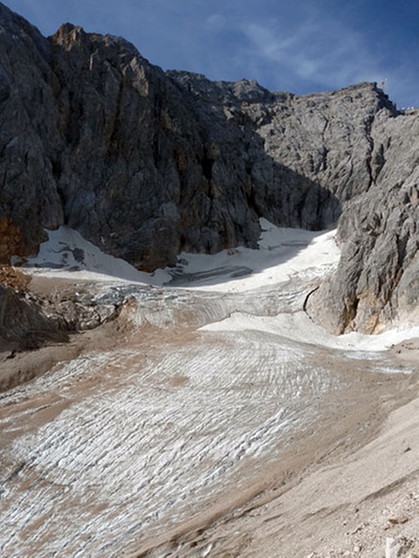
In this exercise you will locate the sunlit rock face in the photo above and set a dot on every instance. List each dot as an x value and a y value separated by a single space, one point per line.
376 282
147 163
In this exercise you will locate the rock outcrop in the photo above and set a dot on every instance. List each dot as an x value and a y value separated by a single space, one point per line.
377 279
147 163
29 320
23 324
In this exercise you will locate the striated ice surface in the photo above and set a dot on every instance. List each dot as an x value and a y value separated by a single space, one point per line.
113 448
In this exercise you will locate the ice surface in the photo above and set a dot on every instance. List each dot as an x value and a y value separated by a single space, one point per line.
113 447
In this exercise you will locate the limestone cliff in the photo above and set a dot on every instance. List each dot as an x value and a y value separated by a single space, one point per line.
377 280
147 163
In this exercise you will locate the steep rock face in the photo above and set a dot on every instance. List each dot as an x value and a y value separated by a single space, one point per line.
377 278
303 156
146 163
28 130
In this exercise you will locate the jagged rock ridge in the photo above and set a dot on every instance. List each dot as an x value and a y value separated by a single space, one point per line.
146 163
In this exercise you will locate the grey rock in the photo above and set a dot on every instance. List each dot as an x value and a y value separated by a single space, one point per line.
397 547
147 163
23 322
29 321
376 283
78 310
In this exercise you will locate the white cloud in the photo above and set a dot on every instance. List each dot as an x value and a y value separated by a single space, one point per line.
319 51
215 22
296 45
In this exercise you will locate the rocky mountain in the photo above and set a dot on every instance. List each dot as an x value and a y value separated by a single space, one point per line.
146 163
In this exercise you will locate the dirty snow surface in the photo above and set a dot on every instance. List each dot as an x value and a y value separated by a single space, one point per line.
219 368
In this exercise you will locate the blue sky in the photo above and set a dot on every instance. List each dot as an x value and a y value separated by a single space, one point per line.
291 45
